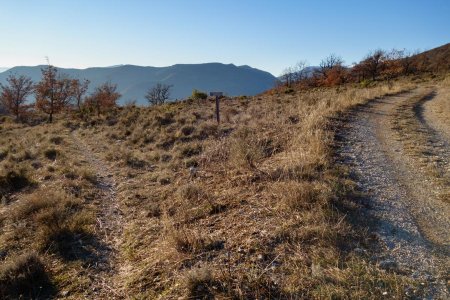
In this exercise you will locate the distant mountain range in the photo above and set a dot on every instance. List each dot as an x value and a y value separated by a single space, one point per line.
3 69
134 81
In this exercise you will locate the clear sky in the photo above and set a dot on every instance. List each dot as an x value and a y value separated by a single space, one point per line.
264 34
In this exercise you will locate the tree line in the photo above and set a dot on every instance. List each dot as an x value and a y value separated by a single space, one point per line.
56 93
376 65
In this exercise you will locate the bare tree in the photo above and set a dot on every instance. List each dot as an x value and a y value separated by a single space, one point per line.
14 95
104 97
158 94
79 89
330 62
300 70
374 63
53 92
287 76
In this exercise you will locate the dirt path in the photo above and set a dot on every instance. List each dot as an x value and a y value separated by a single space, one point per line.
403 202
436 113
109 226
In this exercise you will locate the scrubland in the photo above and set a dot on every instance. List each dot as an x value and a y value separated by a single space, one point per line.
251 208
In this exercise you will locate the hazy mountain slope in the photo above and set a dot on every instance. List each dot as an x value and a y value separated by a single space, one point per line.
134 81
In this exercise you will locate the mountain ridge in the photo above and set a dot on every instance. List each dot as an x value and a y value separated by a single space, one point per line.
133 81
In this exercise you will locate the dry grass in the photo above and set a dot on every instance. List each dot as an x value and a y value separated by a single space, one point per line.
240 210
254 217
25 277
46 209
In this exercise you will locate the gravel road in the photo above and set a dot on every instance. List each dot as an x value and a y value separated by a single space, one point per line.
404 203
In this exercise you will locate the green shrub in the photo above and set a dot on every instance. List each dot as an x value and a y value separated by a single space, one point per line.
198 95
365 83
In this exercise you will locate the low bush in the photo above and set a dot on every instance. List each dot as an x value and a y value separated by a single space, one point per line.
25 277
14 181
51 153
198 95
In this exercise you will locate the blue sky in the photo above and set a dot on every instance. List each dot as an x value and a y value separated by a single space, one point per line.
269 35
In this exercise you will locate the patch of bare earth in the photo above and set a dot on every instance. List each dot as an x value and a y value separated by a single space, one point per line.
401 167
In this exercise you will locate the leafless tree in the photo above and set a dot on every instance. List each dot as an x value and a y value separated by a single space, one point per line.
53 92
287 76
104 97
158 94
14 95
79 89
374 63
330 62
300 72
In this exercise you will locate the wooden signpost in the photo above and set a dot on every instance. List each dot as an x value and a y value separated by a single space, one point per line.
217 95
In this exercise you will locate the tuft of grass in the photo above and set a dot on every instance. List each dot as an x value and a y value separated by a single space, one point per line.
199 283
186 151
3 154
51 153
14 181
187 130
25 277
191 241
57 140
58 220
164 119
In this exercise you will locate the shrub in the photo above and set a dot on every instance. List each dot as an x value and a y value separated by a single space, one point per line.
25 277
3 154
134 162
208 129
199 282
51 153
198 95
245 149
57 140
189 241
365 83
190 150
14 181
191 192
59 222
187 130
165 119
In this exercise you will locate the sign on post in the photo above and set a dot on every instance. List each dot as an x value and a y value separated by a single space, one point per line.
217 95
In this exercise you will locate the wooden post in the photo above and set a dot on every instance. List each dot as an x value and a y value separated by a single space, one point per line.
217 95
217 110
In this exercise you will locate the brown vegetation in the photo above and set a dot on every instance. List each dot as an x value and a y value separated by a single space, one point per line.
244 209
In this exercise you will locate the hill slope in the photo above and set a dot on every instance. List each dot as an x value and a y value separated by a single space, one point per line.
134 81
434 60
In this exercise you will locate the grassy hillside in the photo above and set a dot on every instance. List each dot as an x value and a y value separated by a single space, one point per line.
250 208
434 60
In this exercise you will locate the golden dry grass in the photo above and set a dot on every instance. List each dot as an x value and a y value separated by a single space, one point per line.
254 218
239 210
